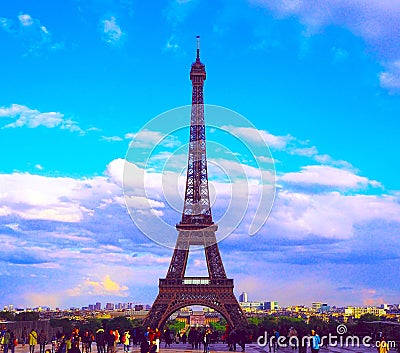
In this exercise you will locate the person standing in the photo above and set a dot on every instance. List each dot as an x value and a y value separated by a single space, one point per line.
33 340
6 340
85 342
126 341
13 342
42 341
100 340
24 336
68 343
192 336
293 339
167 337
110 339
91 339
144 346
207 341
157 336
184 337
383 345
117 336
315 342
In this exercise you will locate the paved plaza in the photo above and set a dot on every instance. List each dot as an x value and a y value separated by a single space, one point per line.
221 347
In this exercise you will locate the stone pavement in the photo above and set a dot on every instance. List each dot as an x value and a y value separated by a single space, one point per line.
251 348
221 347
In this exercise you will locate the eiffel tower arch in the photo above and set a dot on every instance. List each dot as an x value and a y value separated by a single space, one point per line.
196 228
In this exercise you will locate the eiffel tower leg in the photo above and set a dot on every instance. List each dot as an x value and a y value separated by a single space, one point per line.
214 262
177 266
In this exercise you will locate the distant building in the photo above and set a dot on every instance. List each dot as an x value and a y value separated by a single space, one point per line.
197 318
251 306
316 306
243 297
271 305
357 312
324 308
109 306
97 306
212 317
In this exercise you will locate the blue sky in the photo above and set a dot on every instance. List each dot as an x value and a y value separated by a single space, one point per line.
319 81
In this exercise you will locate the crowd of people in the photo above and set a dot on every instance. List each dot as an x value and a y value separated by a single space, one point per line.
9 340
107 340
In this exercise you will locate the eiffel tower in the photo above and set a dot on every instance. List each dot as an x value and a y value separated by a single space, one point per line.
196 228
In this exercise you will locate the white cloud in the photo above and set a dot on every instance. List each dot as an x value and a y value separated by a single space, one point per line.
104 287
33 118
25 20
376 21
48 198
329 215
31 33
6 24
112 33
172 45
177 11
370 19
327 159
265 159
390 79
148 139
259 137
115 170
111 138
140 202
296 215
328 176
304 151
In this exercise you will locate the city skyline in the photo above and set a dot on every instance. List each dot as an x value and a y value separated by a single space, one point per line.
318 84
140 306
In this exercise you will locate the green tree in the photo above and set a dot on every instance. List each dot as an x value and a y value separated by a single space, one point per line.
6 315
27 316
218 326
369 317
65 324
175 325
91 325
120 322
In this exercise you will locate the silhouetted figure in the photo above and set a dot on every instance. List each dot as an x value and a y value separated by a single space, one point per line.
144 346
100 340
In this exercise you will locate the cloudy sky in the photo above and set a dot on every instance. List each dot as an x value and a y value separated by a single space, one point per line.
316 82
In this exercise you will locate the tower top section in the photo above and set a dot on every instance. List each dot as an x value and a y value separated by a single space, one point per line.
198 47
197 209
198 70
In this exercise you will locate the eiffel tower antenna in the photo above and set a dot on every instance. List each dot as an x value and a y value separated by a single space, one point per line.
198 47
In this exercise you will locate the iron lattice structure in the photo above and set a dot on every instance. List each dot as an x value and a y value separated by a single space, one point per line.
196 228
